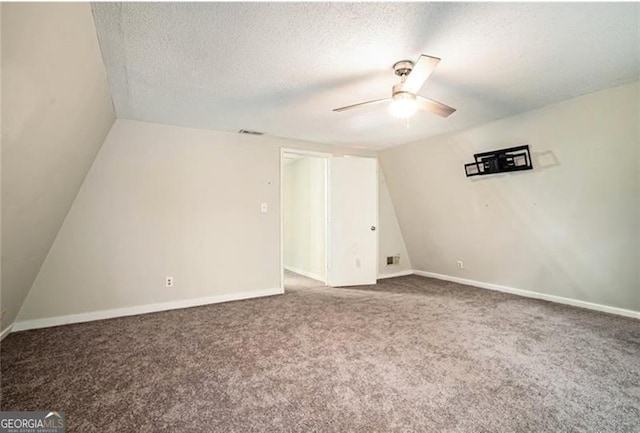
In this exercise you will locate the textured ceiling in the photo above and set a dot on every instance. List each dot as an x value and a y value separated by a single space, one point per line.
282 67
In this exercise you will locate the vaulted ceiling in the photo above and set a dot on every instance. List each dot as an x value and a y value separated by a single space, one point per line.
281 68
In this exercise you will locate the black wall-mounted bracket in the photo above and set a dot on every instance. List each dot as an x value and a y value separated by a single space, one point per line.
500 161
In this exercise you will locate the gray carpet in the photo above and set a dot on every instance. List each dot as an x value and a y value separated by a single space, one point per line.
410 354
293 281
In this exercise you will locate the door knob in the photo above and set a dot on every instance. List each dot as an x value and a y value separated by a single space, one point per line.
373 228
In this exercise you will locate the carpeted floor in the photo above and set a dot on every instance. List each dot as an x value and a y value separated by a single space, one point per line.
410 354
293 281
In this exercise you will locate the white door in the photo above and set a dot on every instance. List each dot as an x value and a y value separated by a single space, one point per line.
353 220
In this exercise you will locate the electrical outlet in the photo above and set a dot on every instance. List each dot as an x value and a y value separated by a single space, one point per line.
460 264
168 281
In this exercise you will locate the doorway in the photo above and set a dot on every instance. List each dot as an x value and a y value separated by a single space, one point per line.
304 219
329 219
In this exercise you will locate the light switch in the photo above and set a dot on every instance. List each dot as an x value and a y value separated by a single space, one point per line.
263 207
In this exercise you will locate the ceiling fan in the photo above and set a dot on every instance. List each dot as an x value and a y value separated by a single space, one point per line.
404 99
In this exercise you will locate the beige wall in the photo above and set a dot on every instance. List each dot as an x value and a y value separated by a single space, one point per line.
304 209
391 242
56 112
568 228
167 201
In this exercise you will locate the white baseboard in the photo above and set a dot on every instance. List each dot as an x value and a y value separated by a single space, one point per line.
395 274
6 331
140 309
530 294
305 273
186 303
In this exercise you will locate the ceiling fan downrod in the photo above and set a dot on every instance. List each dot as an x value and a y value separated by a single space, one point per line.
403 68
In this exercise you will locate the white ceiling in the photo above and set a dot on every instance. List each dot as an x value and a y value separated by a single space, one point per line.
281 68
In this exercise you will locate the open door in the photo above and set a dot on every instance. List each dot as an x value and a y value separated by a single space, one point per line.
353 220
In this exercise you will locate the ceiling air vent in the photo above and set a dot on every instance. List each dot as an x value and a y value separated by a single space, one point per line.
246 131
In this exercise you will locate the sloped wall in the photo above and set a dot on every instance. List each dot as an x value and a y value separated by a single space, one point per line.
568 228
56 112
167 201
391 240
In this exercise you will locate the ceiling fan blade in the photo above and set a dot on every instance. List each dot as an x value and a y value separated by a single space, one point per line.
434 107
419 74
349 107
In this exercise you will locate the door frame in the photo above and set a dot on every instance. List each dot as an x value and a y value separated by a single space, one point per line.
327 167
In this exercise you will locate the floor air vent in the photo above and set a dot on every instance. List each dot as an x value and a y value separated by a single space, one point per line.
246 131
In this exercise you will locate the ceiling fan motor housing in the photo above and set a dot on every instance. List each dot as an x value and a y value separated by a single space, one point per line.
398 93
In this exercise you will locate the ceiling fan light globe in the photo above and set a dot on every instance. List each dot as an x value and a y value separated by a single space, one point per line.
403 106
